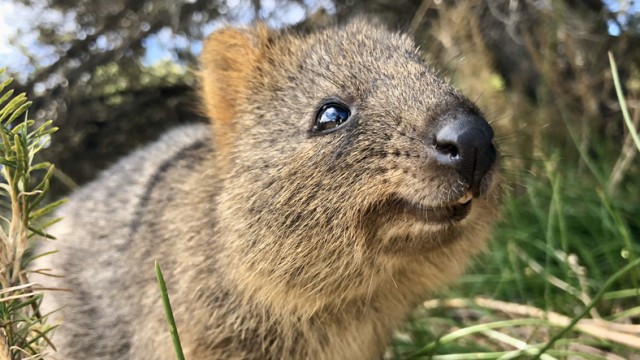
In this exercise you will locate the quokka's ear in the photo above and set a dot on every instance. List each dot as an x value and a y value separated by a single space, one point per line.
228 62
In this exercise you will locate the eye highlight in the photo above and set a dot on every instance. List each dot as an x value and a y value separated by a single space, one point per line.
330 117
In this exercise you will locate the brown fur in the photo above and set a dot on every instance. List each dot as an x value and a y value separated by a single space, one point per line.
228 65
276 244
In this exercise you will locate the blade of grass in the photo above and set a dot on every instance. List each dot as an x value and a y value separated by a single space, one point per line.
623 102
522 346
171 322
621 294
454 335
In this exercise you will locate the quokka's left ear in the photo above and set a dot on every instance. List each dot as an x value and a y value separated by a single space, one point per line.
228 62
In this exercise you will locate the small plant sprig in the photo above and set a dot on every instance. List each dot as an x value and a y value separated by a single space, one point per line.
23 187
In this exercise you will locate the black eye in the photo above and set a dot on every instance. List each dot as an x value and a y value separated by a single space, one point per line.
330 116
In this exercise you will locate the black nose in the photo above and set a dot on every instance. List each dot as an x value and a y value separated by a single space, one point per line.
465 143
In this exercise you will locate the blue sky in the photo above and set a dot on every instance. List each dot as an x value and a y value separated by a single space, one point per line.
624 8
10 54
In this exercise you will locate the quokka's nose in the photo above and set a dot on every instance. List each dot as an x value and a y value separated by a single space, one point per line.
465 143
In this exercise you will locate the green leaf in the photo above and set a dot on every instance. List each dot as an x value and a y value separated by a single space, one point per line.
24 107
12 106
32 299
21 127
6 162
54 220
40 166
6 96
6 143
43 335
39 232
46 209
5 83
44 130
44 254
21 157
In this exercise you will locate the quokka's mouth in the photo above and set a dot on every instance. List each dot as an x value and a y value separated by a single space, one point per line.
449 213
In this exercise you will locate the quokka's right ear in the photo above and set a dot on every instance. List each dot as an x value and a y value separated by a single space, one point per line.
228 62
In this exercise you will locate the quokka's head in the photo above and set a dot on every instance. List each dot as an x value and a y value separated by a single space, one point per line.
343 142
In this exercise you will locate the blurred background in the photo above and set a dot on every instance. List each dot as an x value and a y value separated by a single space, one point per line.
114 74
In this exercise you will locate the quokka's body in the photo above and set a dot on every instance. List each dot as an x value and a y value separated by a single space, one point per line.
340 180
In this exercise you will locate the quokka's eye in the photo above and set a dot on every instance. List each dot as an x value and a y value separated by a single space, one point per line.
330 117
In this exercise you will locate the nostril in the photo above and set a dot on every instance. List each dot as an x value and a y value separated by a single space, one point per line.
465 143
447 149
